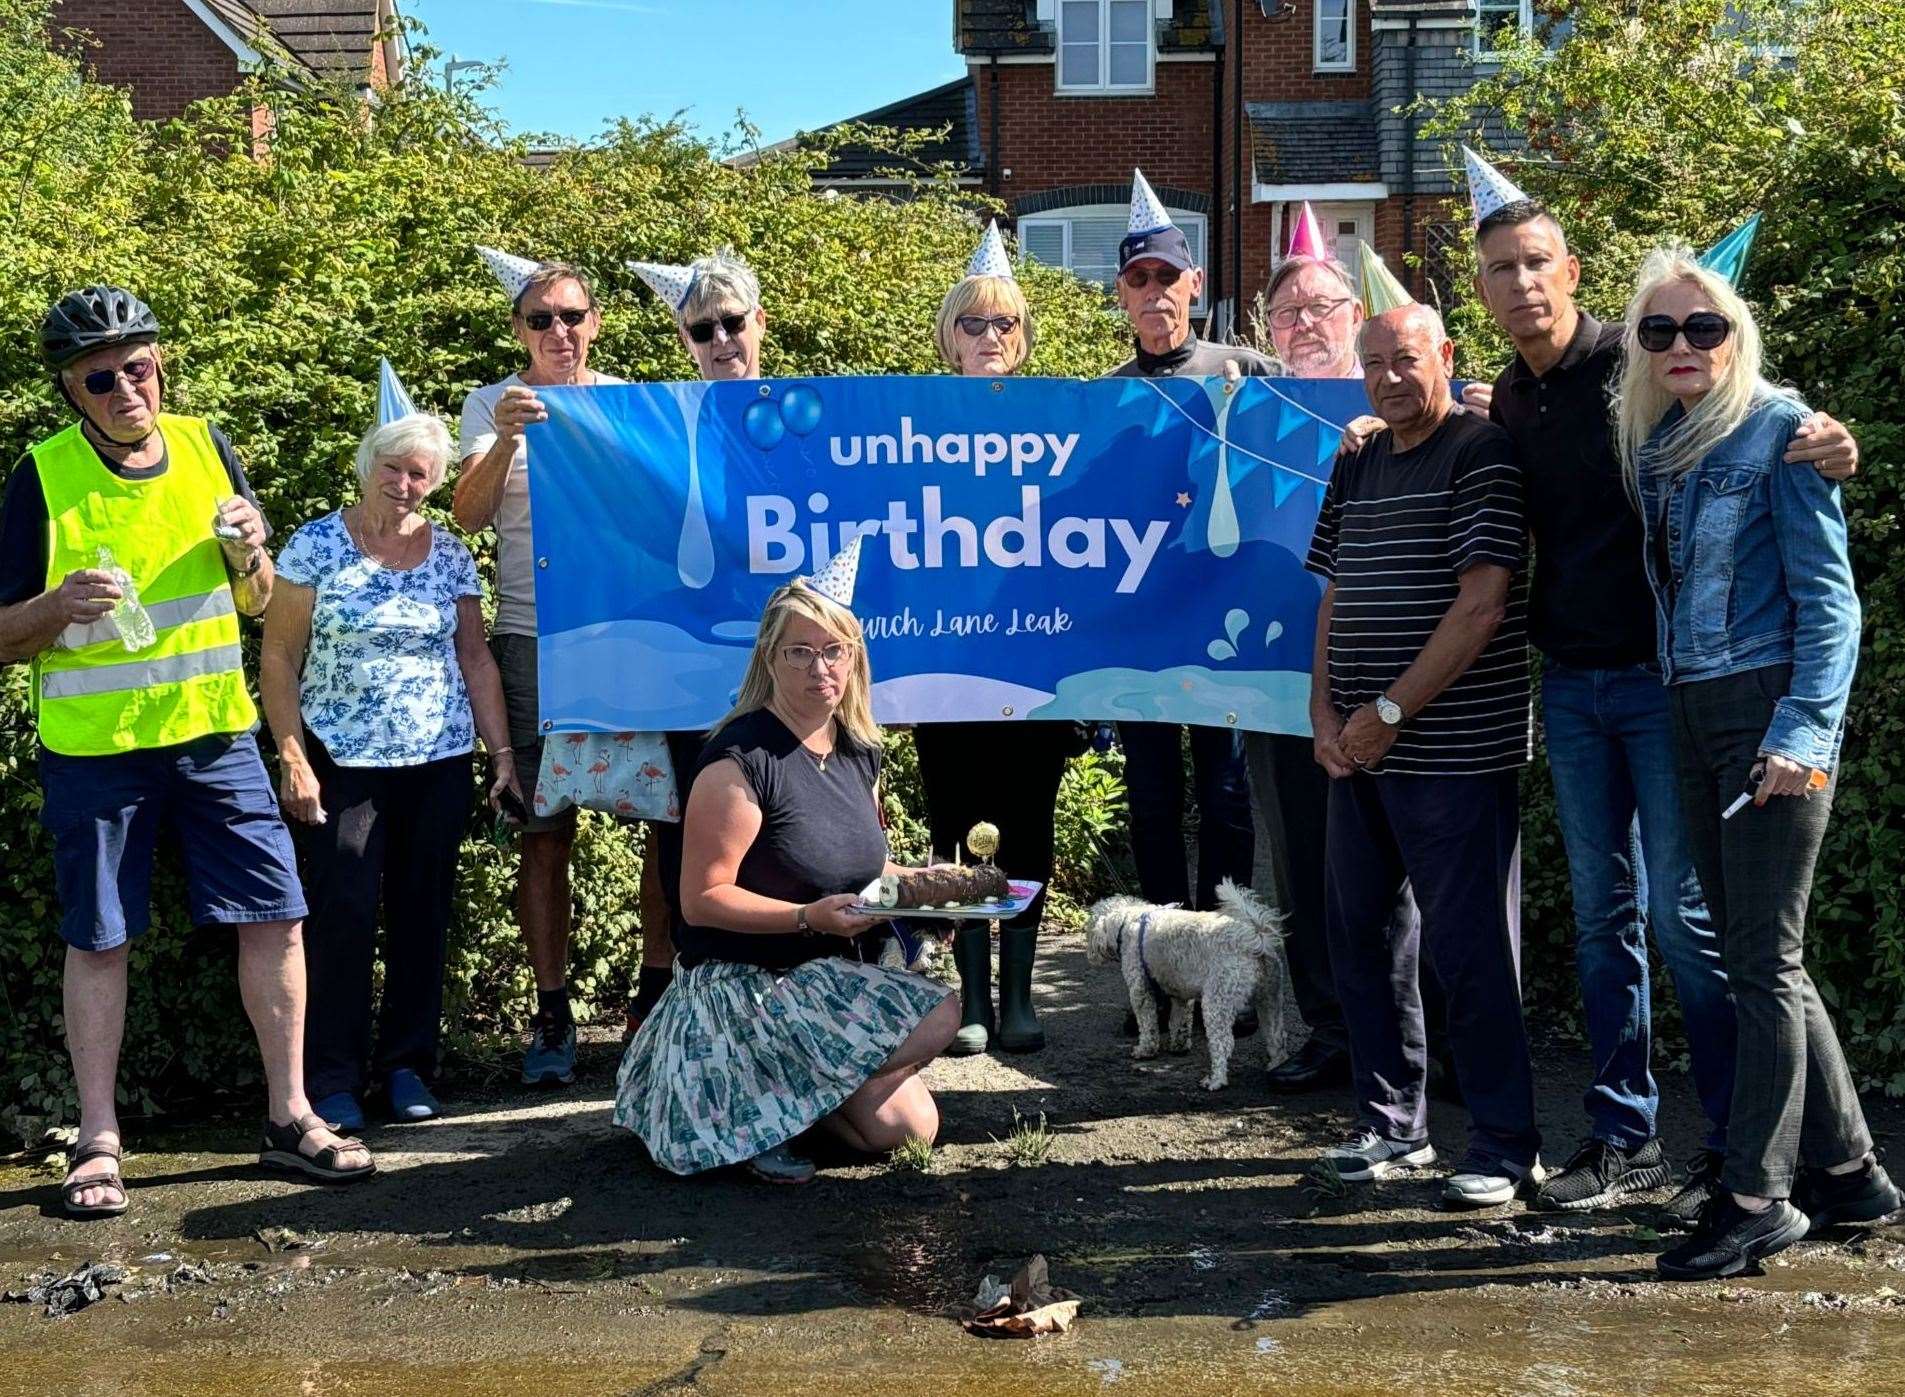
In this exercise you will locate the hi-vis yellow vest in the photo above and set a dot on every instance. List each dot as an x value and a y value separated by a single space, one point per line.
93 696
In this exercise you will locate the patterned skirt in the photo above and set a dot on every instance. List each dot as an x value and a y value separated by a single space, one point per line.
735 1059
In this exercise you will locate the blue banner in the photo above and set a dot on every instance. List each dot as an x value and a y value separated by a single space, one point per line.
1035 548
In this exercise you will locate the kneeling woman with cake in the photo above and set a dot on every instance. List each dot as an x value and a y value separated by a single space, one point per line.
779 1018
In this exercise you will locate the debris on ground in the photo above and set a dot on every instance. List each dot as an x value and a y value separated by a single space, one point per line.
1030 1306
71 1293
281 1239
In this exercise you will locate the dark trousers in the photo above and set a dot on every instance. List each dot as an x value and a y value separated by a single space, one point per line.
391 838
1793 1097
1007 773
1289 805
1455 838
1154 786
664 836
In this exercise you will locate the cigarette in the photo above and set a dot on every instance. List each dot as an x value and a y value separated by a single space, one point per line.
1740 802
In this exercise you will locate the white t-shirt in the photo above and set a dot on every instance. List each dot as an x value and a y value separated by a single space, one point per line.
515 549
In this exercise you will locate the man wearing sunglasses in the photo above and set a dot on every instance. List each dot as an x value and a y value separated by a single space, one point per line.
555 320
145 722
1604 710
1158 282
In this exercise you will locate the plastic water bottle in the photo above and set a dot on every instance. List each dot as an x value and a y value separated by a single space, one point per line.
135 627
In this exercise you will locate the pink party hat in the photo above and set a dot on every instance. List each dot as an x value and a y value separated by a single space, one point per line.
1306 237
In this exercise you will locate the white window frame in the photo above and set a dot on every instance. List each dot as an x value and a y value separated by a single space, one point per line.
1525 21
1063 218
1104 85
1316 37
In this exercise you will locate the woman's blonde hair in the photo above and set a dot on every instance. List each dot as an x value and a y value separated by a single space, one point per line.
981 295
855 713
1737 390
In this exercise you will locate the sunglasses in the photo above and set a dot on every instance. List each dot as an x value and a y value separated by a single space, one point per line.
100 381
702 331
1139 277
975 326
540 320
1704 329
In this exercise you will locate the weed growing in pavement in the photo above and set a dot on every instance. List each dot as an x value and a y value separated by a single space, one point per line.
1027 1145
913 1157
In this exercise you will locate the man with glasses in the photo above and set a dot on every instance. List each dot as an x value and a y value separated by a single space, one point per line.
553 314
1158 281
1314 313
132 543
1604 707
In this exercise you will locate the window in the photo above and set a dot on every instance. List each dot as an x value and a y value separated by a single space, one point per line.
1335 47
1086 239
1104 45
1493 16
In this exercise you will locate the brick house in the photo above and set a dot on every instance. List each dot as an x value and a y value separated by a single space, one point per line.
1236 110
171 53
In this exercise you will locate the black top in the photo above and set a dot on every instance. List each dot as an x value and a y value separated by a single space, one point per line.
23 518
1397 531
1192 359
1590 606
820 835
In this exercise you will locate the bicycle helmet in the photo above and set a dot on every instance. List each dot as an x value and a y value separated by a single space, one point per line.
96 318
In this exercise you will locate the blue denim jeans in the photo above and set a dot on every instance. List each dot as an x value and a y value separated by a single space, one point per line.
1616 792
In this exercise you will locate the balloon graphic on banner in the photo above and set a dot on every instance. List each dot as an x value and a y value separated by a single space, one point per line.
800 409
763 424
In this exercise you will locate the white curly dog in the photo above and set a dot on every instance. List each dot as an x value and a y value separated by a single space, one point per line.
1223 960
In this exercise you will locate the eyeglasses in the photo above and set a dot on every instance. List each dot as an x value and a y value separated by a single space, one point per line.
803 656
100 382
1704 329
540 320
1286 316
975 326
702 331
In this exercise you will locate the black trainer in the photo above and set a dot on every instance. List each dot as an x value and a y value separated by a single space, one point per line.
1864 1195
1600 1173
1312 1066
1696 1190
1729 1239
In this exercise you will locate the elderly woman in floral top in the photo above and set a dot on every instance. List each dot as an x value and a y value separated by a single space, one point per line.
374 675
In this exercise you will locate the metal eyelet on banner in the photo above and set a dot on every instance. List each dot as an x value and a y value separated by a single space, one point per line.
542 562
1006 712
998 386
1230 718
766 391
548 724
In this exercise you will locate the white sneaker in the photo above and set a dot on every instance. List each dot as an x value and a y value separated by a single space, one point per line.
1485 1183
1370 1156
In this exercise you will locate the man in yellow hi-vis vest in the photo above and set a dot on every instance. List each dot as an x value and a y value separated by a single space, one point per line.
129 544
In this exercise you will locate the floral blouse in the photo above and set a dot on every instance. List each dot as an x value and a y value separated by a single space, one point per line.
381 683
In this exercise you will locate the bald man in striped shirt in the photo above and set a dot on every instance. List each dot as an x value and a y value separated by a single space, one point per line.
1420 706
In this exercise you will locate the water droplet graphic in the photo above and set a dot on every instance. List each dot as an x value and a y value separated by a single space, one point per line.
694 552
1276 629
763 423
800 409
1234 622
1221 530
1221 650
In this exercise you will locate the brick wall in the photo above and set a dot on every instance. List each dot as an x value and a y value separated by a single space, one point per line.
1279 57
158 48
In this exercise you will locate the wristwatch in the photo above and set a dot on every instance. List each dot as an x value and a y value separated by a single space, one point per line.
1389 710
257 561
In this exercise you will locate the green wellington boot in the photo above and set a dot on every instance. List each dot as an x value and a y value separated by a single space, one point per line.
972 953
1018 1024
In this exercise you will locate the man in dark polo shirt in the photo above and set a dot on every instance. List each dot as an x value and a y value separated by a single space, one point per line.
1604 711
1419 703
1158 280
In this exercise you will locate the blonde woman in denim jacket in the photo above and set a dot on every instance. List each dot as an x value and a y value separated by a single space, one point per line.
1758 627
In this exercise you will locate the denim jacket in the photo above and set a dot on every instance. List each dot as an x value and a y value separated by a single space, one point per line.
1760 576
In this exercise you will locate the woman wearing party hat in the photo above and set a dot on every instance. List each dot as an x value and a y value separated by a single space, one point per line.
781 835
554 317
1004 771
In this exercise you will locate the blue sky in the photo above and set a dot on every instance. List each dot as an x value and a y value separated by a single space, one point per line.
792 65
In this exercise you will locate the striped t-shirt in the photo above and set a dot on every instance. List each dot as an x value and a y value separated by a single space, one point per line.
1397 531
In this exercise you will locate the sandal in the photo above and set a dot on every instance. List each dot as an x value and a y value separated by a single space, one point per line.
280 1151
72 1188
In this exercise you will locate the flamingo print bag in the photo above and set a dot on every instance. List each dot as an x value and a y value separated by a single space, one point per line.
626 774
